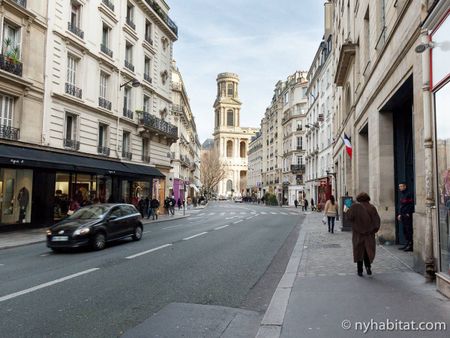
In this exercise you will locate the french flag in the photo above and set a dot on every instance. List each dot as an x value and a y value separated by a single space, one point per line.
348 145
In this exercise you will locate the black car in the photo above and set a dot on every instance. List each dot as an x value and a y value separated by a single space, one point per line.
95 225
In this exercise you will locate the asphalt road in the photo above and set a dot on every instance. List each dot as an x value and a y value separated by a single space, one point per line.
226 254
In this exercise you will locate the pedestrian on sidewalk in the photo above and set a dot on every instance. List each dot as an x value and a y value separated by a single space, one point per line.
154 205
312 204
306 204
406 215
330 211
296 203
172 203
365 224
179 203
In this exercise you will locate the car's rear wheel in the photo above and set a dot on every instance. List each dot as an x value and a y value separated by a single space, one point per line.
99 241
137 235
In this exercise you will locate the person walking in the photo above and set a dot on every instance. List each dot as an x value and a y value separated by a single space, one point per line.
330 211
179 203
172 203
141 206
365 224
306 204
405 215
312 204
154 205
296 203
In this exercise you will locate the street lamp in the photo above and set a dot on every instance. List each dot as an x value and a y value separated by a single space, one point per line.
134 83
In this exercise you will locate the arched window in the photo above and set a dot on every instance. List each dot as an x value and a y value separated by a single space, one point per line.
230 118
243 149
229 148
230 89
229 185
217 119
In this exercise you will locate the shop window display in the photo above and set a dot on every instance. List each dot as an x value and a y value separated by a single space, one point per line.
15 195
442 97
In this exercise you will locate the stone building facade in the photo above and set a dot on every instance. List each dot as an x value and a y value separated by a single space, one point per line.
22 83
255 159
230 139
380 106
184 179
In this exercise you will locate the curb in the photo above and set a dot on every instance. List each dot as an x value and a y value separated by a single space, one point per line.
273 319
23 244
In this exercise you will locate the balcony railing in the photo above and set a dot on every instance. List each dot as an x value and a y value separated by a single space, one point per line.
71 144
103 150
145 158
106 50
131 23
73 90
10 66
173 27
22 3
9 133
147 78
298 167
75 30
158 125
127 155
127 113
104 103
299 148
149 40
129 65
109 4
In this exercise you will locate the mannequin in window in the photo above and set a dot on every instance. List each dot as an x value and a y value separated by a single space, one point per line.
23 198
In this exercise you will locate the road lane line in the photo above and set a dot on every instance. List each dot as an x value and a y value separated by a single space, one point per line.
146 232
273 213
263 213
283 213
43 255
212 213
249 217
237 222
222 227
200 234
148 251
243 213
222 214
44 285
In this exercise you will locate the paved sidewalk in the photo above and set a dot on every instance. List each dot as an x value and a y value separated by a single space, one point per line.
320 291
25 237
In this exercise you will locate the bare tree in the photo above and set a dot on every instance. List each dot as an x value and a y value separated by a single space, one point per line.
212 171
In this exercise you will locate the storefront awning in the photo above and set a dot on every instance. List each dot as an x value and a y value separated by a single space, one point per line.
39 158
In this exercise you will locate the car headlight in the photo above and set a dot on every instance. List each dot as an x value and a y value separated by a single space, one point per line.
49 232
81 231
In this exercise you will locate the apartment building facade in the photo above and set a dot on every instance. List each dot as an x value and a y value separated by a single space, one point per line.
185 153
22 70
255 160
293 122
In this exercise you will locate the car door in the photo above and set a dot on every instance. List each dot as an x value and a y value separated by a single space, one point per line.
114 223
130 218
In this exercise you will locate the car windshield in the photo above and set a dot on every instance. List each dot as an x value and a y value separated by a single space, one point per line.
91 212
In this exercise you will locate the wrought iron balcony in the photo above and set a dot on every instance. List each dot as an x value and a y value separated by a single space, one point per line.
22 3
157 125
147 78
10 66
127 155
298 167
127 113
72 144
9 133
131 23
108 4
299 148
73 90
104 103
164 17
129 65
145 158
103 150
106 50
75 30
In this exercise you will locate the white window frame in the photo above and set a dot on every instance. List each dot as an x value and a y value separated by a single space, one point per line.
129 52
77 5
72 65
127 97
6 110
126 141
108 35
17 38
147 65
147 103
104 79
103 142
74 127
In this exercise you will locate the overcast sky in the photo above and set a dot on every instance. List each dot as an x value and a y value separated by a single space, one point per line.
262 41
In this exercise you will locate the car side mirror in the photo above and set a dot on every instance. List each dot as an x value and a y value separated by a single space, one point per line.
112 218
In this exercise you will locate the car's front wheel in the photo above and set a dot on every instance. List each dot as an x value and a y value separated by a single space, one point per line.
137 235
99 241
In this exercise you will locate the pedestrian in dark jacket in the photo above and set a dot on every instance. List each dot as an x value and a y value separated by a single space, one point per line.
296 203
154 205
312 204
141 206
306 204
166 205
405 215
365 224
179 203
172 203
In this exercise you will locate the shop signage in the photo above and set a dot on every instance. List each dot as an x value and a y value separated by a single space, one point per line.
14 161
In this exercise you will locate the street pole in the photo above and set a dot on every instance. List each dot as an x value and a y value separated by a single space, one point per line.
184 198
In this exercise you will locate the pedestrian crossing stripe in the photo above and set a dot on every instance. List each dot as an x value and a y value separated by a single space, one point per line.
263 213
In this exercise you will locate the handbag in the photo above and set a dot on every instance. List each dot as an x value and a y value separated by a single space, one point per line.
324 220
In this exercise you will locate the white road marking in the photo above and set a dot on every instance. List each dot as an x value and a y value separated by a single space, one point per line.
263 213
273 213
146 232
243 213
222 227
249 217
43 255
283 213
212 213
202 214
222 214
237 222
232 213
44 285
200 234
2 264
293 213
148 251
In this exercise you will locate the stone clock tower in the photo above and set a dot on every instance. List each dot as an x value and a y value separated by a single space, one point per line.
230 139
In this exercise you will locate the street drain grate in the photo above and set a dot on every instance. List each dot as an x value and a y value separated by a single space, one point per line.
325 246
